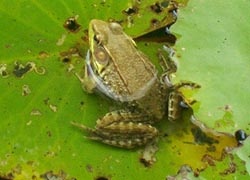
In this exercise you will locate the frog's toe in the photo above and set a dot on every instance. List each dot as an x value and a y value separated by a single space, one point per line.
82 127
126 143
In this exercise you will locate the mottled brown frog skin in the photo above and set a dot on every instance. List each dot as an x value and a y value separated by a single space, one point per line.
115 67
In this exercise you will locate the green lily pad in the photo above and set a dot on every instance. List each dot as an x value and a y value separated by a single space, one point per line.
40 95
213 51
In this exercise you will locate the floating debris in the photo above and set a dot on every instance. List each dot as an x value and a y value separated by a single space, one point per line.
3 70
61 40
53 107
29 123
26 90
35 112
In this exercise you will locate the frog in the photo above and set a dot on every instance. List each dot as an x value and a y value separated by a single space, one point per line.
116 68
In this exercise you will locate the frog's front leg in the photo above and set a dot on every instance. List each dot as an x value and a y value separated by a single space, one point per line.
122 129
176 100
87 81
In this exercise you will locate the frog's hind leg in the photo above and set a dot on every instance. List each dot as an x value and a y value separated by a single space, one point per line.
122 129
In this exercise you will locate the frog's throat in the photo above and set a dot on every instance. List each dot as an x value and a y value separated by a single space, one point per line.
111 94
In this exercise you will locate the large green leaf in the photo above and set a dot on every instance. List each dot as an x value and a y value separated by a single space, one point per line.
213 51
36 109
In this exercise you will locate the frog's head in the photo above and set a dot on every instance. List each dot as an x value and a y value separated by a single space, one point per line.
119 70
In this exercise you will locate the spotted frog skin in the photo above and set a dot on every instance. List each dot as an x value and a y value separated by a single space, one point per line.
116 68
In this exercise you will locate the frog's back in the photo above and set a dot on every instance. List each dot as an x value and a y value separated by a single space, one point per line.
130 73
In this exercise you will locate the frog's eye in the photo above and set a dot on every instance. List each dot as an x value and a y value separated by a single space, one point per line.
97 39
101 57
100 39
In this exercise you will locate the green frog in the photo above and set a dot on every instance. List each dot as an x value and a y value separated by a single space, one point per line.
116 68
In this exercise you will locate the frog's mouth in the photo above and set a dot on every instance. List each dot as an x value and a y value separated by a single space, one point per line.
107 90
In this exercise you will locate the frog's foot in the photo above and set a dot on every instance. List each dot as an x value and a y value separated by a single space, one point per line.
114 130
87 84
177 102
174 108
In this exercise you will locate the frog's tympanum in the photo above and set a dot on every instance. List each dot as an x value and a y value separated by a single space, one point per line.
116 68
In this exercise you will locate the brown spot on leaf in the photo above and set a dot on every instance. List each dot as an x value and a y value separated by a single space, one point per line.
67 56
9 176
43 55
231 169
20 70
46 101
89 168
145 162
8 46
208 159
49 133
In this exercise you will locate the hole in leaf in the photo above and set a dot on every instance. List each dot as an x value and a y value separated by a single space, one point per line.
102 178
66 60
157 8
164 4
155 22
71 24
131 11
